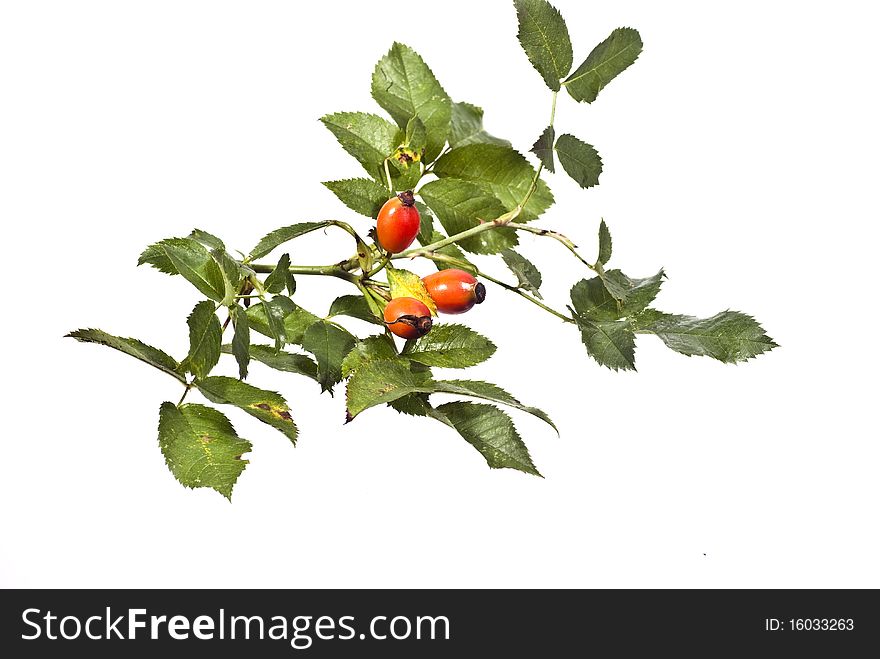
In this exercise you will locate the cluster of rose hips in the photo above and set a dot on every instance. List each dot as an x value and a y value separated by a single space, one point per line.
453 291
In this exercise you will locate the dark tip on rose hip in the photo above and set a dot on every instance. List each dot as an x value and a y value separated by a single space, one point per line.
479 293
407 198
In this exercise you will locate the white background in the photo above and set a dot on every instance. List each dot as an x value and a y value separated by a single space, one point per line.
740 154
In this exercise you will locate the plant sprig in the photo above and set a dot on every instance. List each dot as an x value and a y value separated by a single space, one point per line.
484 194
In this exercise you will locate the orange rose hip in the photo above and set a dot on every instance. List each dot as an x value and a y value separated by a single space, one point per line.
454 291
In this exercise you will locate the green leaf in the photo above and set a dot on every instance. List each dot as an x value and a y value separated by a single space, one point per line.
280 236
329 343
729 336
407 284
579 160
450 345
593 300
241 339
604 243
499 171
426 224
603 64
466 127
201 447
276 311
544 37
289 282
415 142
191 260
296 321
381 381
210 241
354 306
277 279
412 405
460 206
132 347
233 274
204 340
380 346
610 342
491 432
405 87
267 406
527 274
488 391
360 194
369 138
543 148
280 360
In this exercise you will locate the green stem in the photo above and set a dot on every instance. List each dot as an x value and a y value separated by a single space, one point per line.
557 237
388 177
185 392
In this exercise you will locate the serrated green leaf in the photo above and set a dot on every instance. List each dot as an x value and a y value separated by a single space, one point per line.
280 236
267 406
190 259
276 282
289 282
450 345
381 381
280 360
579 160
405 87
201 447
369 138
460 206
208 240
296 321
354 306
466 127
329 343
491 432
132 347
527 275
499 171
487 391
543 148
361 195
426 225
544 36
610 342
204 339
276 311
414 143
404 283
233 276
241 340
372 348
606 61
604 243
593 298
412 405
729 336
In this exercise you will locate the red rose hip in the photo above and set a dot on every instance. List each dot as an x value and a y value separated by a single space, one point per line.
454 291
408 317
398 223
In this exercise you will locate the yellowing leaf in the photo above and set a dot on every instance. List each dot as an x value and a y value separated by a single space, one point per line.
407 284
